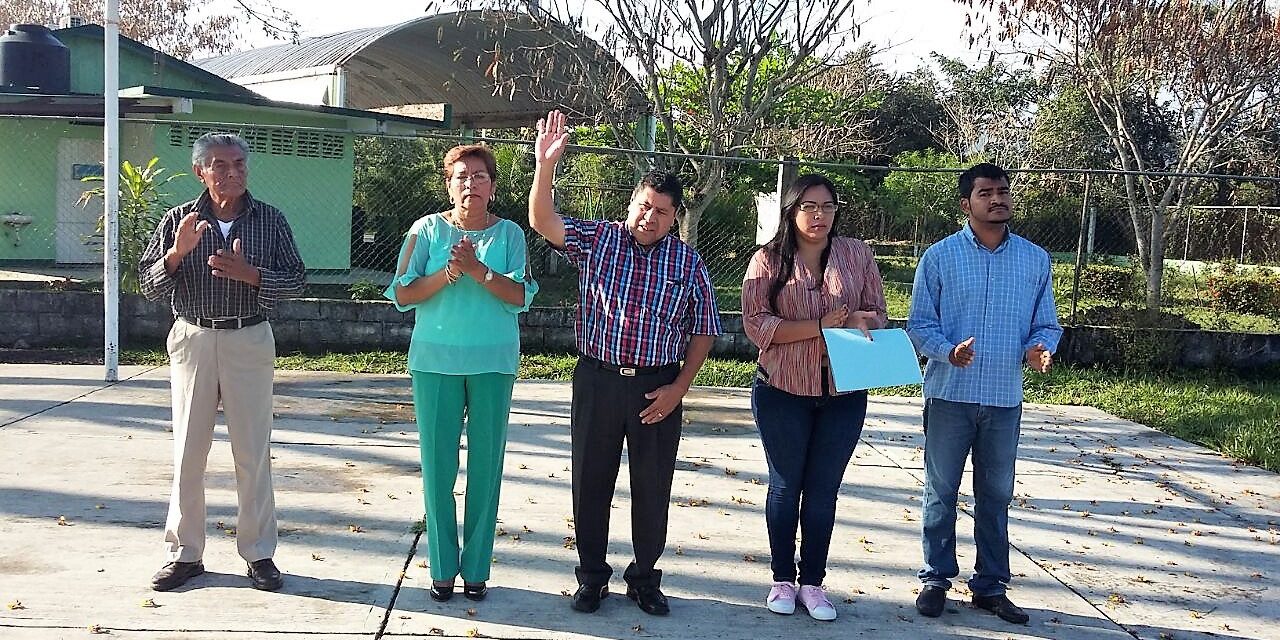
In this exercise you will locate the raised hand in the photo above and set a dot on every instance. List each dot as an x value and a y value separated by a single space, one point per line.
552 138
233 265
962 355
1039 358
190 229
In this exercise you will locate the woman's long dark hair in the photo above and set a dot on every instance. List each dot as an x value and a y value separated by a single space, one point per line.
783 245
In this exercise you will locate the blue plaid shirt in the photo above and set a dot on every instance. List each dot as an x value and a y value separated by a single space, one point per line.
1001 298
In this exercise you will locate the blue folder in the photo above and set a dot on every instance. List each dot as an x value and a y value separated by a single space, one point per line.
888 359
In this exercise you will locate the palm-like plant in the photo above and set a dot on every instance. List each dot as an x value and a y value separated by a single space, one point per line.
142 204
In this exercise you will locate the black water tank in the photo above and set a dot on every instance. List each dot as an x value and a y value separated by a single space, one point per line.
31 57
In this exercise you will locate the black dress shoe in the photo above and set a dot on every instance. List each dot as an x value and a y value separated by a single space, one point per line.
176 574
264 575
475 592
587 598
1000 605
441 593
931 601
650 599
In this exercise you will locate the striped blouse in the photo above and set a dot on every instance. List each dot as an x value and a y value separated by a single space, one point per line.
851 279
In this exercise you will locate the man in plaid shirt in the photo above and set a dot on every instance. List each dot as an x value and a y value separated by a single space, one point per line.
223 260
645 304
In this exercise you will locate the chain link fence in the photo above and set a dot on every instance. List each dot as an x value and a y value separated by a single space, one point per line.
350 197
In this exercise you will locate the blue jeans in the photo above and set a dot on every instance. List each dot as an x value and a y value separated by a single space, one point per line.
952 430
808 441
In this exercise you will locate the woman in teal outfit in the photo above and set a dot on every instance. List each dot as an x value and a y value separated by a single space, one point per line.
465 274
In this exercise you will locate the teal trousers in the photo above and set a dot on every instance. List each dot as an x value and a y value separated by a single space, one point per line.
442 403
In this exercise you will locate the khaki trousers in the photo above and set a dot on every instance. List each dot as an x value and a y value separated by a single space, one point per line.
234 366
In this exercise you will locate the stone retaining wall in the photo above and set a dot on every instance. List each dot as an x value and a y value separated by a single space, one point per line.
38 318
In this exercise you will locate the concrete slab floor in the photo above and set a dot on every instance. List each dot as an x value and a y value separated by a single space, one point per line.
1118 531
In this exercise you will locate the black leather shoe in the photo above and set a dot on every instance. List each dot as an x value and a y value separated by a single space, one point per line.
931 601
1000 605
264 575
650 599
176 574
475 592
441 593
587 598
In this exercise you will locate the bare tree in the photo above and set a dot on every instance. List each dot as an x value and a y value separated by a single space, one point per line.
180 28
737 59
1211 62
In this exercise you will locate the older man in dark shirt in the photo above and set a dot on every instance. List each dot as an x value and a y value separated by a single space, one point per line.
223 260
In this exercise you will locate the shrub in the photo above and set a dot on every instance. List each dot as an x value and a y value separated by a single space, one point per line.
1113 284
1240 290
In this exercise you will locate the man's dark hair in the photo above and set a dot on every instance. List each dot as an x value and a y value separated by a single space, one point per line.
662 182
984 170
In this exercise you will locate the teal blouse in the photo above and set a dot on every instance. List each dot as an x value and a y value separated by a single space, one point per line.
463 329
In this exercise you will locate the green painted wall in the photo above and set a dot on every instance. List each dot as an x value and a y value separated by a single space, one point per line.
136 69
314 193
28 166
31 172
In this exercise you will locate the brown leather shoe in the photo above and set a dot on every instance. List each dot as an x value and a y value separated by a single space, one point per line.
264 575
176 574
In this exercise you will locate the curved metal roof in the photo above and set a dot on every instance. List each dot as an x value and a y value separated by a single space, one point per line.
495 69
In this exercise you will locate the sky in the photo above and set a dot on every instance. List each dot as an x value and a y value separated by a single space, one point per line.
906 30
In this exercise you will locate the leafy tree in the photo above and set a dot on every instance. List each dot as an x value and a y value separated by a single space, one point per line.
1207 66
989 109
180 28
736 73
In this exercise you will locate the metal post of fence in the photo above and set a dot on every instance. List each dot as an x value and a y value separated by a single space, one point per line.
1186 241
1075 283
1244 234
1093 226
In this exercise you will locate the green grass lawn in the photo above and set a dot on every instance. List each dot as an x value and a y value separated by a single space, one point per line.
1236 415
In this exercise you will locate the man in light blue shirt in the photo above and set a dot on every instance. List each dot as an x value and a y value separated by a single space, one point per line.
981 306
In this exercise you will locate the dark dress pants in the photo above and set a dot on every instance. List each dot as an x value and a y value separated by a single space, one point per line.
605 413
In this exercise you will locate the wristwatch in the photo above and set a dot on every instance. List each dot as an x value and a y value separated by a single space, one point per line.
488 275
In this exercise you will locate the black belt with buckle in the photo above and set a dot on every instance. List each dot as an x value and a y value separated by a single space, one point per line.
626 369
224 323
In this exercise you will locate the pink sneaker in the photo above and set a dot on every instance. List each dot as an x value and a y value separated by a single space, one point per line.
782 598
815 601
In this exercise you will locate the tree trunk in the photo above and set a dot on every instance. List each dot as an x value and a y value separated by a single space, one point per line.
1155 268
689 224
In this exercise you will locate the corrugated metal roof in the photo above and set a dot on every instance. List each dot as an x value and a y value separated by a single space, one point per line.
312 52
470 60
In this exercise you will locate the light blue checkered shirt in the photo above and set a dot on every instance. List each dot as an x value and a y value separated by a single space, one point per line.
1002 298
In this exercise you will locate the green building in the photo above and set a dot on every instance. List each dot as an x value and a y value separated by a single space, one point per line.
301 157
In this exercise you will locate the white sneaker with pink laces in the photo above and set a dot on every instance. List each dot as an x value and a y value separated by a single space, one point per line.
814 600
782 598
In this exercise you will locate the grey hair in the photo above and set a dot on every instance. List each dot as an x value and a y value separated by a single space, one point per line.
200 149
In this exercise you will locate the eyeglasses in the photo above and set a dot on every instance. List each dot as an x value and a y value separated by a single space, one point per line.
809 206
475 178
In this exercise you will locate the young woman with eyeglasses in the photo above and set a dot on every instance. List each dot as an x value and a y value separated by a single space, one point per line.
803 281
